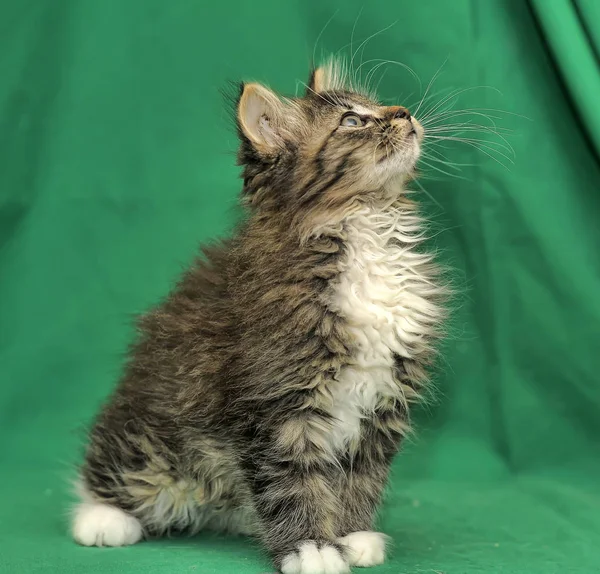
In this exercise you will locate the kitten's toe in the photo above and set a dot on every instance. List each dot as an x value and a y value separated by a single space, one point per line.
313 559
96 524
364 548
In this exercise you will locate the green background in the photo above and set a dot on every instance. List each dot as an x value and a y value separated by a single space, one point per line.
117 159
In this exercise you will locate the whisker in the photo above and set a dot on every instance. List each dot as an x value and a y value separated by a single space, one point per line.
314 92
473 130
471 134
391 62
477 144
371 73
380 80
505 145
491 156
449 114
454 94
418 183
352 34
431 122
452 165
429 86
429 150
484 143
313 63
495 110
364 43
449 174
468 126
429 97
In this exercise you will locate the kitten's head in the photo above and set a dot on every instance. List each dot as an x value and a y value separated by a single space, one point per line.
328 147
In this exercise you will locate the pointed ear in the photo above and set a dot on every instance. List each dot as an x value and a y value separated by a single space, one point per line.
317 81
332 75
260 116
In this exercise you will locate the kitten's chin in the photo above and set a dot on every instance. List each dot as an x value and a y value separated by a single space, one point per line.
401 165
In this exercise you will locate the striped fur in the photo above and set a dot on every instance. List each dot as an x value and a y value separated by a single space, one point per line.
270 390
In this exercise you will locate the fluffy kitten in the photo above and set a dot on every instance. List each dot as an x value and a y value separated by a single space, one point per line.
270 391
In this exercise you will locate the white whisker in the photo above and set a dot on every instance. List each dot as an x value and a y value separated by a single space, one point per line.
477 142
418 184
391 62
429 86
454 94
449 174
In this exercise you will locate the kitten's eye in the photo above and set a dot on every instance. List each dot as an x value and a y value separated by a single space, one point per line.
351 121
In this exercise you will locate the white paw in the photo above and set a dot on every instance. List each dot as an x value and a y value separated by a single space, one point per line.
365 548
309 559
96 524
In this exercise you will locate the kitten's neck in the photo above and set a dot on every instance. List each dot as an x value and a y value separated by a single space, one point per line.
331 222
311 221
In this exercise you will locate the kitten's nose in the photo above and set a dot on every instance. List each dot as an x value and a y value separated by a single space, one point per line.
402 114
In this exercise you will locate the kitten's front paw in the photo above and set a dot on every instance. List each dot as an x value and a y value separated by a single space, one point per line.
364 548
96 524
311 558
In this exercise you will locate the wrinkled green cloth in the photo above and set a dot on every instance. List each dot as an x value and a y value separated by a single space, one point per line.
117 159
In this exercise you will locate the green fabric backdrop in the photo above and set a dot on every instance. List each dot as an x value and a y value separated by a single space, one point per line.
116 159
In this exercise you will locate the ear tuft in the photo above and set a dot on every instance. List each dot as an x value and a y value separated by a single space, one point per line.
317 82
260 113
332 75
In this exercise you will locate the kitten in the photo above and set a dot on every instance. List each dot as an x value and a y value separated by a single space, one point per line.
270 391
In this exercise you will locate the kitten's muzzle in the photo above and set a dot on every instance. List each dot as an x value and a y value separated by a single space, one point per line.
402 113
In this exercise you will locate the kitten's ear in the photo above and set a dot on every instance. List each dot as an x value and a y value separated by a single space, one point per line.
331 76
318 80
260 114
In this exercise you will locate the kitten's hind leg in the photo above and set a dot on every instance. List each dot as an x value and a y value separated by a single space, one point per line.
238 521
118 506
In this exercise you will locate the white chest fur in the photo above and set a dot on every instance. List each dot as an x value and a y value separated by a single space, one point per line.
384 292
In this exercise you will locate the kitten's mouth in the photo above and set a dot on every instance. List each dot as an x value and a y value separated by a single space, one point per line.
416 129
405 158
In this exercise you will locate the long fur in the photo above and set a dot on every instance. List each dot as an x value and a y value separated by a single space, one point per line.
269 392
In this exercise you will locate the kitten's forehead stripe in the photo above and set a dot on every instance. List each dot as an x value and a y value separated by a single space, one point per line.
363 111
360 106
342 99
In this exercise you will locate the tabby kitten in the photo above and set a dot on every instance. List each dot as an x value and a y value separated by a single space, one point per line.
269 392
